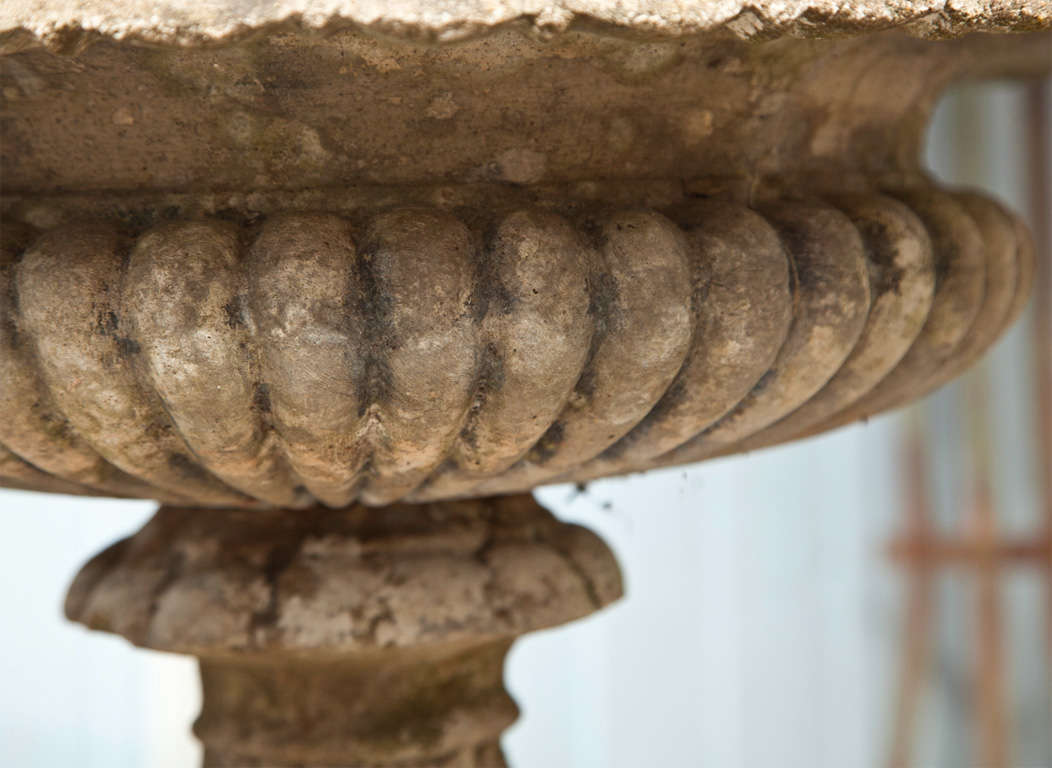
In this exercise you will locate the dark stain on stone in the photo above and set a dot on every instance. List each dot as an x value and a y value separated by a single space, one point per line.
763 382
124 248
593 231
9 312
447 466
384 616
617 449
602 307
490 378
261 398
159 429
372 307
188 468
586 384
278 561
945 250
127 347
56 427
602 297
488 292
947 254
377 379
137 220
799 246
548 445
234 311
675 393
881 253
107 323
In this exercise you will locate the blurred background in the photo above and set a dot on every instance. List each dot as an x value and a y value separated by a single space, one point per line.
879 596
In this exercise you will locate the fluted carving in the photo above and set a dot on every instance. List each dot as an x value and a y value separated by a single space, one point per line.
420 354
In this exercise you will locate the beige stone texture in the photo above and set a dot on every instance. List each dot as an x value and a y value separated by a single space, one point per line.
287 267
422 354
348 637
331 266
446 20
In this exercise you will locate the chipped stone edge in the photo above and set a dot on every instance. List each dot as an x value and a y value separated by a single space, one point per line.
74 25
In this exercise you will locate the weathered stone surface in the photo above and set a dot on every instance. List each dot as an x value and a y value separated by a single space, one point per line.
975 298
243 582
901 273
330 122
455 19
433 708
420 354
321 265
348 637
272 263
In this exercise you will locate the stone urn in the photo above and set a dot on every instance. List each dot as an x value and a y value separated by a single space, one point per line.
339 283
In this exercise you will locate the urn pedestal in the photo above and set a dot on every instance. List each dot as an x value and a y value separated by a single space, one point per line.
342 637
